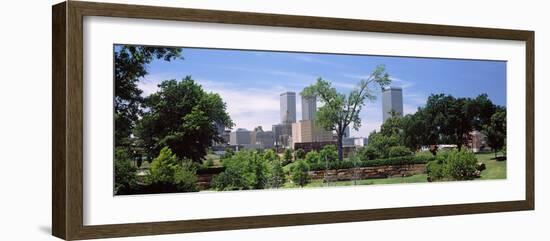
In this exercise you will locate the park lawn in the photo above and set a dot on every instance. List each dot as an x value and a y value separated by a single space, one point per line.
495 169
392 180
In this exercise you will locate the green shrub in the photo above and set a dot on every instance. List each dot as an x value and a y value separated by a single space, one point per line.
287 157
229 152
270 155
185 177
299 173
436 170
312 157
243 171
277 174
396 151
405 160
125 172
328 153
382 143
453 165
299 154
166 169
461 165
368 153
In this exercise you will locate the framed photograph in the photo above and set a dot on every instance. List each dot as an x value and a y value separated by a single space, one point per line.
171 120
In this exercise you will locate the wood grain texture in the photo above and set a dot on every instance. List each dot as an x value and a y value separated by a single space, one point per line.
67 136
59 193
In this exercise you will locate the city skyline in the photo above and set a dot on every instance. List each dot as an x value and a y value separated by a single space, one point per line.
250 82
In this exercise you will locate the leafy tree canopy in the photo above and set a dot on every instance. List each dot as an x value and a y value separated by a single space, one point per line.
182 116
496 130
130 66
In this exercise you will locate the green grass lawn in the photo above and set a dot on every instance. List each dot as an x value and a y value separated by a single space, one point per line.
393 180
495 169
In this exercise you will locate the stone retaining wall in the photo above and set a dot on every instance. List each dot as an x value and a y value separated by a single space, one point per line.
370 172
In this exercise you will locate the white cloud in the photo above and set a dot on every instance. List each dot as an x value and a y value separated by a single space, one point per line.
248 107
313 60
397 82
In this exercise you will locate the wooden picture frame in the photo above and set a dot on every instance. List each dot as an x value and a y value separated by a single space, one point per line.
67 124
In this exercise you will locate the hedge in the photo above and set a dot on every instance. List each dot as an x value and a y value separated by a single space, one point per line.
392 161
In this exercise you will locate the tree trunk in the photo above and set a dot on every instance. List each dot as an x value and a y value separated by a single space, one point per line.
340 148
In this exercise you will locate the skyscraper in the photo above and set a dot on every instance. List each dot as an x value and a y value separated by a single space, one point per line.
288 107
392 100
309 107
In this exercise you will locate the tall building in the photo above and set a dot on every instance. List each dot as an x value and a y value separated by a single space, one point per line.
309 131
240 137
392 100
281 134
309 107
288 107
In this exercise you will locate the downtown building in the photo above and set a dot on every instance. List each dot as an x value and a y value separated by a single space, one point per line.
307 130
392 101
282 132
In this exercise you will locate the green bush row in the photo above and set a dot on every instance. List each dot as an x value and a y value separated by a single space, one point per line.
403 160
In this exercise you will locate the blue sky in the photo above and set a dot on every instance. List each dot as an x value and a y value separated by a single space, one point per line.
250 81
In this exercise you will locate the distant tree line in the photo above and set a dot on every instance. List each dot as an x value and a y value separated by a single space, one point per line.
443 120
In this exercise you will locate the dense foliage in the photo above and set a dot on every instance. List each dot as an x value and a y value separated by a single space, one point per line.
277 175
182 116
495 131
404 160
243 171
299 173
328 154
299 154
287 157
397 151
167 170
312 157
453 165
130 67
125 172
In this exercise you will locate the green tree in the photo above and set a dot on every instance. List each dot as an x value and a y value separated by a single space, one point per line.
496 131
130 67
287 157
243 171
125 172
451 119
338 110
299 154
392 126
368 153
328 154
182 116
399 151
312 157
270 155
299 173
480 110
166 169
415 131
381 143
277 174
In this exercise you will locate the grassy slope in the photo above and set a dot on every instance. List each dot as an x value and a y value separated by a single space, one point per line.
495 169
